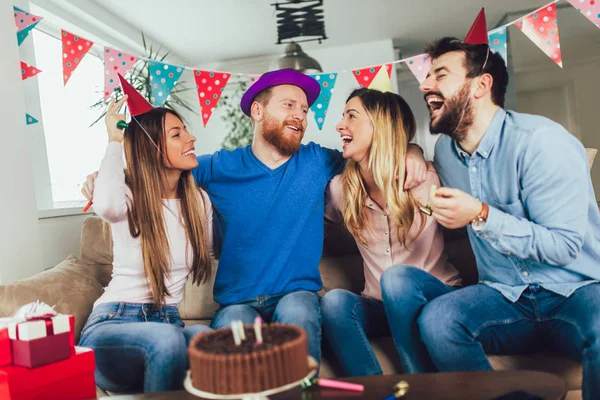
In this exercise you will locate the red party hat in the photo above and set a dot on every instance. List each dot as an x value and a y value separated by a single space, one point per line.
478 32
136 103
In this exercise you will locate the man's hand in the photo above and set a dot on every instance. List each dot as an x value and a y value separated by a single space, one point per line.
88 186
416 169
453 208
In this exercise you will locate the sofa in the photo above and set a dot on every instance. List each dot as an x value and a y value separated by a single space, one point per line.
74 285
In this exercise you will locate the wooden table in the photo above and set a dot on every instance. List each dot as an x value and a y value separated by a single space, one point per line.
448 386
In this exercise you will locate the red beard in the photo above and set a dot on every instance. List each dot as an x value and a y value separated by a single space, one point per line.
274 133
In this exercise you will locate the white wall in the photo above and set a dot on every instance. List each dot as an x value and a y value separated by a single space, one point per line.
19 235
334 59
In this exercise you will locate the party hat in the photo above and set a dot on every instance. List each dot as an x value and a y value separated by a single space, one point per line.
382 81
136 103
478 33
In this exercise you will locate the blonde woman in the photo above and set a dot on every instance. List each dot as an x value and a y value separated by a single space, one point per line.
402 247
161 225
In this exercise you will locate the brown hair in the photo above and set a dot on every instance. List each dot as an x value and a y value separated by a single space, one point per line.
394 126
475 63
145 178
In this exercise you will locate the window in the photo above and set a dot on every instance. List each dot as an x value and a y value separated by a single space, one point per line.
74 149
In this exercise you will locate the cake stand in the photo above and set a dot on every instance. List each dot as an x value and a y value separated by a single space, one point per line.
187 383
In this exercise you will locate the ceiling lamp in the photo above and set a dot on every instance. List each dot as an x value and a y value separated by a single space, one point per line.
294 57
299 21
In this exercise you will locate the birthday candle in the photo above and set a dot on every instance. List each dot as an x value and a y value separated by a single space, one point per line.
241 330
258 330
236 334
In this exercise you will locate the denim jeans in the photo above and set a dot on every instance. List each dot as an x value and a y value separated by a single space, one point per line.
299 308
138 346
461 327
349 320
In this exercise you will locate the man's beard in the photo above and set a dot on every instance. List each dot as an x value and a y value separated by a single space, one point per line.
274 133
457 116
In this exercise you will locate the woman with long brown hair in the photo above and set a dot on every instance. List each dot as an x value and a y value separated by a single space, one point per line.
401 245
161 229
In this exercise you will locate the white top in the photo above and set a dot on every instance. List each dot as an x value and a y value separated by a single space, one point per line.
129 283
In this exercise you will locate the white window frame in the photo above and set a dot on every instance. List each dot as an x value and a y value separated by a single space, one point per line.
89 20
47 207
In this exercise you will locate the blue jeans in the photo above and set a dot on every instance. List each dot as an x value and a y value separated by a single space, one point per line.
349 320
461 327
300 308
138 346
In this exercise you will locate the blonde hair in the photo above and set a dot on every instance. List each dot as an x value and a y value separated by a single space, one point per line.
145 177
393 127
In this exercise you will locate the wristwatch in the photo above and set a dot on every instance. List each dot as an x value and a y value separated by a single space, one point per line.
479 222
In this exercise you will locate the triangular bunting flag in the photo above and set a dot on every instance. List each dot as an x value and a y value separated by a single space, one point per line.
164 77
478 33
74 48
252 79
382 81
498 43
210 85
24 19
541 27
27 71
388 67
115 62
364 76
30 120
22 35
589 8
320 106
419 66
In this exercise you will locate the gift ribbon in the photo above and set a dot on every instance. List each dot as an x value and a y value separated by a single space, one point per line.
47 318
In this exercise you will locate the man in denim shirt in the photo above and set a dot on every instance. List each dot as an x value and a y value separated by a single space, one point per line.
521 185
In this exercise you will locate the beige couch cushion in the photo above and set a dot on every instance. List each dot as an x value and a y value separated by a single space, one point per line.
70 287
591 156
198 302
97 248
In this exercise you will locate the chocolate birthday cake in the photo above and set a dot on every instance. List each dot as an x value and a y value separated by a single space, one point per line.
220 366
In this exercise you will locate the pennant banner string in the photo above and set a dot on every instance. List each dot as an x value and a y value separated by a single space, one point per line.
522 16
46 22
240 74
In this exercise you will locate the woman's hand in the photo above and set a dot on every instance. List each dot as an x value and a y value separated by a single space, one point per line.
111 119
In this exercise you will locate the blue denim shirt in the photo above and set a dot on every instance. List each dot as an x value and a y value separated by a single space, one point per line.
543 225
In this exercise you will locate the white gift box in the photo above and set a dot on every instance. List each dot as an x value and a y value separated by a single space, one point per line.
31 330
